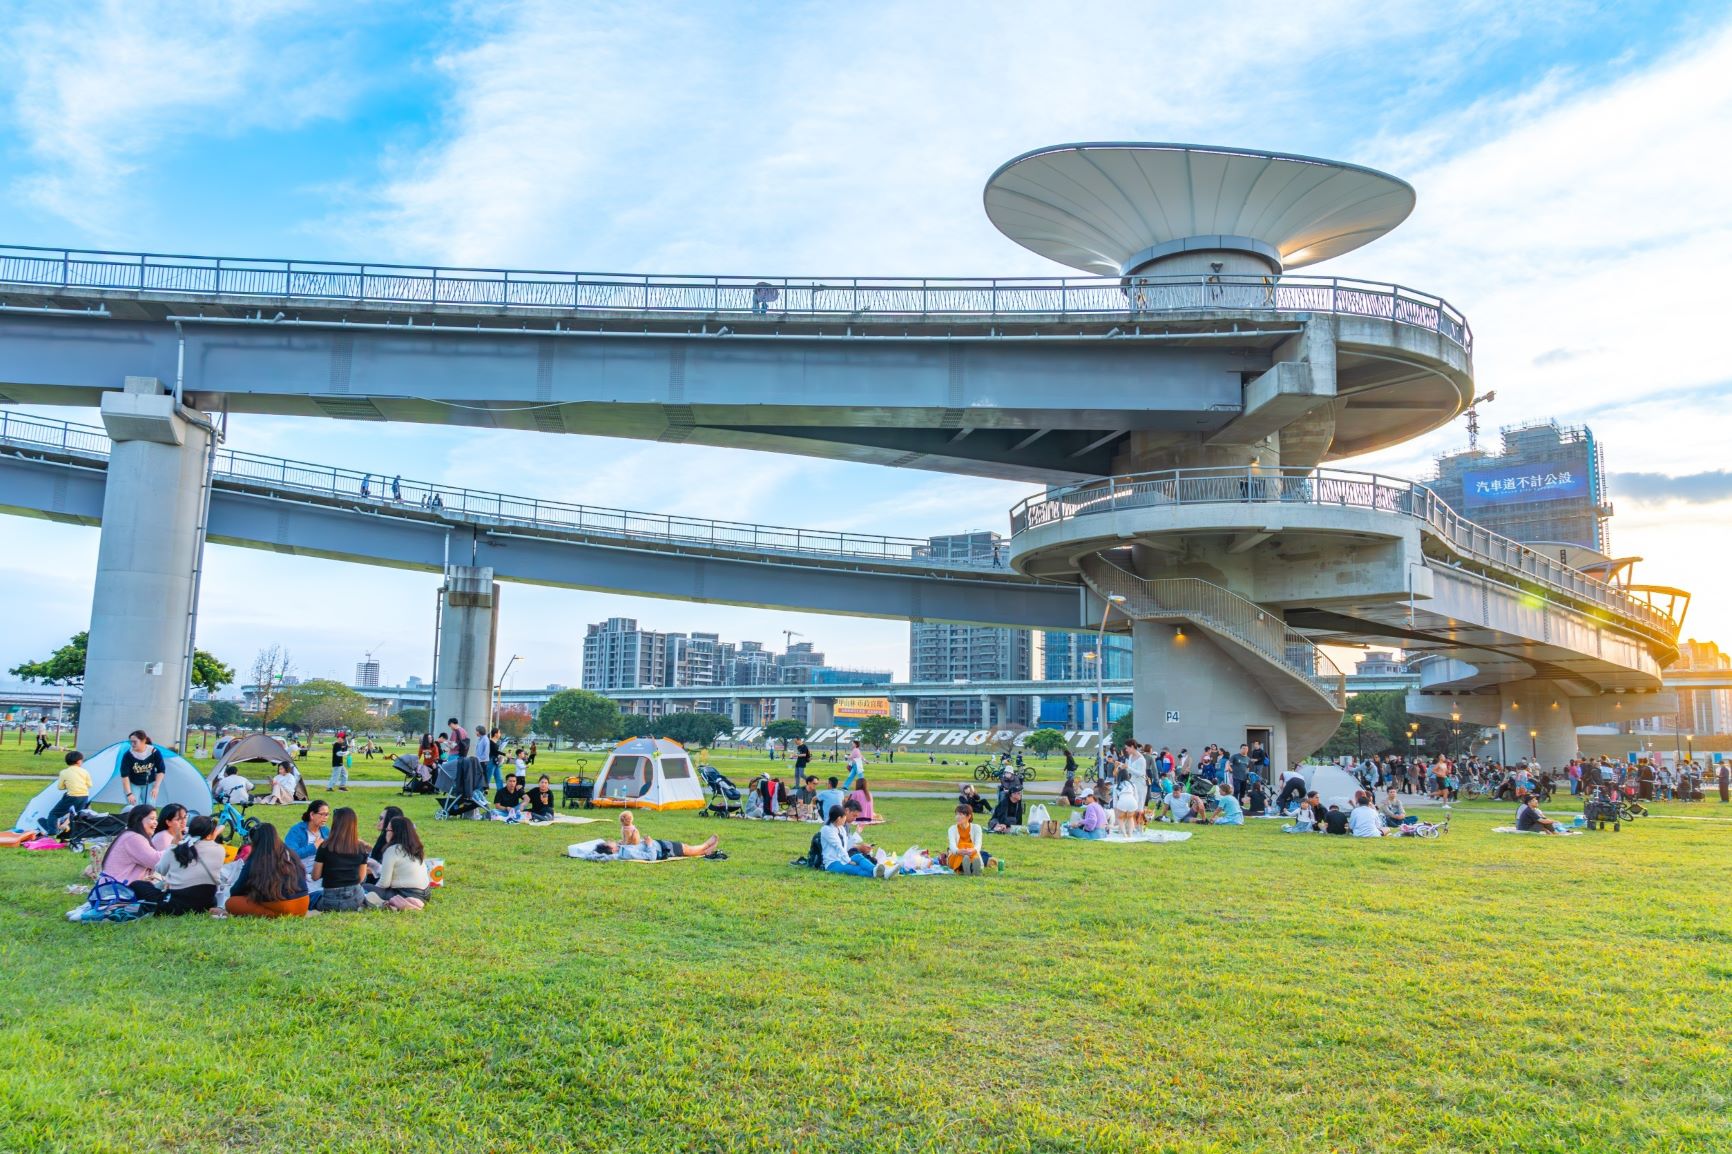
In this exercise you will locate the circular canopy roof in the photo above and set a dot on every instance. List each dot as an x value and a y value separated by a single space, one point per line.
1109 208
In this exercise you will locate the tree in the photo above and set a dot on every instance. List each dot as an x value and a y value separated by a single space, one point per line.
1044 741
1389 727
65 666
270 668
635 725
1123 728
788 729
876 732
579 715
224 714
324 704
514 722
691 728
208 673
412 722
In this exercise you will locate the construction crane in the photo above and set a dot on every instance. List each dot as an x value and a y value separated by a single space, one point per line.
788 636
1473 420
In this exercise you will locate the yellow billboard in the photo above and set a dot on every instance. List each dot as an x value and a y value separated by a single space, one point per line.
857 707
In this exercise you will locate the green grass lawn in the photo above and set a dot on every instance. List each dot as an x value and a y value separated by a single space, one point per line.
1243 990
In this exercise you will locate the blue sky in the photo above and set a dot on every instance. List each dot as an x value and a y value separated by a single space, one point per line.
1570 162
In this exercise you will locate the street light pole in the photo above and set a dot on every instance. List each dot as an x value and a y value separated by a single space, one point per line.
1359 736
1503 744
1534 744
493 713
1101 674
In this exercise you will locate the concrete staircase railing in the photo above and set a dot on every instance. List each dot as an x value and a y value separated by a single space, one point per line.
1223 614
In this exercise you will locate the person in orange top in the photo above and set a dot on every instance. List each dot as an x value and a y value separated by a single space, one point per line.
966 855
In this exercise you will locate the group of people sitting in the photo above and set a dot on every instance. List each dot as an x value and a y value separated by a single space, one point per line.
175 865
1362 820
511 800
806 802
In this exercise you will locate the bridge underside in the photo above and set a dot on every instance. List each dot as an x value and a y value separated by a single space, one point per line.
1049 399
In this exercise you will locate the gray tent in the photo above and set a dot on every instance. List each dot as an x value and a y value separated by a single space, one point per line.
258 747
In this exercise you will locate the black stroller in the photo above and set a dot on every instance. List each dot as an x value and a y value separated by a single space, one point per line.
724 794
417 778
88 825
461 786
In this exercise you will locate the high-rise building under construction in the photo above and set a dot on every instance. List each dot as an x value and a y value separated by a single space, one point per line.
1546 487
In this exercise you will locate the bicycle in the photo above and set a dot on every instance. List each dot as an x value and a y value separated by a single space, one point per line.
231 821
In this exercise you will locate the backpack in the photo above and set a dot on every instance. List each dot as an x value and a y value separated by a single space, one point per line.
814 856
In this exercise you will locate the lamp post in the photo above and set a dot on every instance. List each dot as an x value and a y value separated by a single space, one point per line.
556 735
1503 744
1454 730
493 713
1690 747
1101 674
1534 744
1359 736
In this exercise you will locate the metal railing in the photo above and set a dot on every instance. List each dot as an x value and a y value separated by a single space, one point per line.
396 495
862 299
1212 607
1251 485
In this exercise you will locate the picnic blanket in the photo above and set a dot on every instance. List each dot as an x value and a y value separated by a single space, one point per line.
585 851
556 819
1144 837
1538 832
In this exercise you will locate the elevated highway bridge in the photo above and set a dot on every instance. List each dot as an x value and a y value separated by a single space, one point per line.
1184 400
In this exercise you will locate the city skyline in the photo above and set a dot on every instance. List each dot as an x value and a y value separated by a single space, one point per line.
253 137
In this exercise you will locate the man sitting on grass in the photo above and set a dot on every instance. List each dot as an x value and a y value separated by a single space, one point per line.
1008 814
1529 819
1364 821
806 801
830 798
1335 822
508 801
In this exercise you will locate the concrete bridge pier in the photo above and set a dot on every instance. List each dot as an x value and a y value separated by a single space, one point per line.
468 634
137 672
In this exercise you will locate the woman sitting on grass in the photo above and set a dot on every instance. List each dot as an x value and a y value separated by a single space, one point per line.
131 858
170 826
341 865
541 800
1091 824
1394 813
843 851
307 835
272 883
190 870
386 816
403 878
863 794
966 855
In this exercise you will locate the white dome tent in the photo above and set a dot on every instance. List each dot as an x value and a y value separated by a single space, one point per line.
648 773
182 782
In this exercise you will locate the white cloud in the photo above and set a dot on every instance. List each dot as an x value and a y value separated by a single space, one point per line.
101 92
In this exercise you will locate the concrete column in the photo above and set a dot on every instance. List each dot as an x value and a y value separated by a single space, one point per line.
1214 697
468 632
136 675
1539 716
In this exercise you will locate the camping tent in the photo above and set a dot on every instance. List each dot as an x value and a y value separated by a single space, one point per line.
256 747
1334 785
648 773
182 782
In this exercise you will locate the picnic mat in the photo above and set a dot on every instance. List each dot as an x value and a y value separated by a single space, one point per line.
585 851
1146 837
1537 832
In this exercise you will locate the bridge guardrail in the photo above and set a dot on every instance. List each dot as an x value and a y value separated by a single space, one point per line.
396 494
864 298
1252 485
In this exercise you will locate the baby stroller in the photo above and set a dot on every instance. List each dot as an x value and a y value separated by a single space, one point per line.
461 787
88 825
724 794
417 778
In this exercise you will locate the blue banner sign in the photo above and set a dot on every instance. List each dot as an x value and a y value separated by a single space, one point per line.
1519 483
